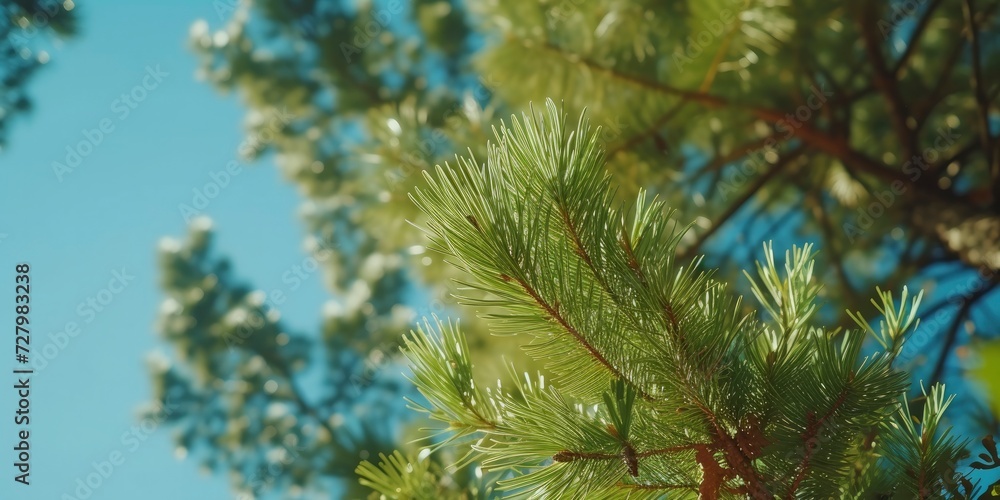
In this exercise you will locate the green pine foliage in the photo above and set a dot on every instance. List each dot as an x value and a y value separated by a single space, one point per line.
657 381
788 119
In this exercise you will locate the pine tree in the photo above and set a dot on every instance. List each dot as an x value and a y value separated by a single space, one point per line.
657 380
690 96
235 381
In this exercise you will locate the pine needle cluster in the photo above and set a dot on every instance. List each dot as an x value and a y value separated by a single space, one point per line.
659 381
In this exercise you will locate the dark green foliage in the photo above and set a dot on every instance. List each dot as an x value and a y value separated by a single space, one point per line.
25 27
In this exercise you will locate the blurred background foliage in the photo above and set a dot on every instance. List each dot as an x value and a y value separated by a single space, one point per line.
867 127
27 27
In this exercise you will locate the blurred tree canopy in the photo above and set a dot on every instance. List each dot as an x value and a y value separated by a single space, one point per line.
866 127
25 28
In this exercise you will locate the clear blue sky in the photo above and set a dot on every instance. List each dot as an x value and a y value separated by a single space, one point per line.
108 214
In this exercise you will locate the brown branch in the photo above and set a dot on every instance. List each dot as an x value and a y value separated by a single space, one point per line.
487 424
652 129
812 429
885 81
693 96
667 310
567 456
670 315
838 259
553 312
571 456
941 166
658 486
818 139
738 462
666 451
582 252
637 139
735 458
628 455
924 107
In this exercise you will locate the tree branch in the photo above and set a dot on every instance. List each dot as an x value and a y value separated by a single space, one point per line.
637 139
553 312
952 336
818 139
976 81
812 430
736 205
735 154
885 81
738 462
918 32
838 257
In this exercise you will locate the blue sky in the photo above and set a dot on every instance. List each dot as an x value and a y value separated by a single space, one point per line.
107 216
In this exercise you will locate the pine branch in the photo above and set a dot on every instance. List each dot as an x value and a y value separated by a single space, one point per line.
552 310
812 430
702 398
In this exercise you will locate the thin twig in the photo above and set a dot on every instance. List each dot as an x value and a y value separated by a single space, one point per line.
952 336
885 82
739 202
918 31
976 81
